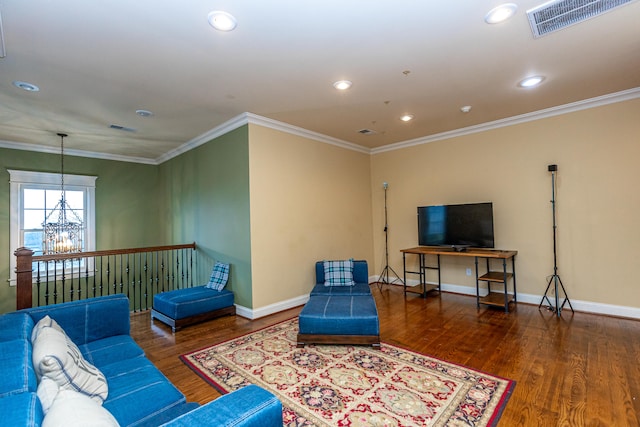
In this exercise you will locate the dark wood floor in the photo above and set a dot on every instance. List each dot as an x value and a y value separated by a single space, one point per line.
576 370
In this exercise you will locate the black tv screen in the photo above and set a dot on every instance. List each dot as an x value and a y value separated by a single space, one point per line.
465 225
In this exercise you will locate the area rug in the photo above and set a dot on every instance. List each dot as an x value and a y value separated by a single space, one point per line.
325 385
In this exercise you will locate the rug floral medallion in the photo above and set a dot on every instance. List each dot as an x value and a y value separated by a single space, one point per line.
343 385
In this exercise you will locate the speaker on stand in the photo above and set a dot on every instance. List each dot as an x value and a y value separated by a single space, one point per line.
383 278
555 277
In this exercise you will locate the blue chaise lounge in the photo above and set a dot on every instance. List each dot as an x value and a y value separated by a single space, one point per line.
341 308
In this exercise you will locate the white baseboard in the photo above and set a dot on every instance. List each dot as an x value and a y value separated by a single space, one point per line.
584 306
272 308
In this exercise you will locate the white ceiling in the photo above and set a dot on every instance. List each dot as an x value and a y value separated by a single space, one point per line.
97 62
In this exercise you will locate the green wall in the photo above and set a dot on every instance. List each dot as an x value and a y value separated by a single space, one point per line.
128 203
206 200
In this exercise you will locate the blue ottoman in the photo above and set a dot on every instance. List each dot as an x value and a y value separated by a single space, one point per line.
330 319
191 305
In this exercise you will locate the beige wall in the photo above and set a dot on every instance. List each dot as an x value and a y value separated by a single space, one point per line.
309 201
597 152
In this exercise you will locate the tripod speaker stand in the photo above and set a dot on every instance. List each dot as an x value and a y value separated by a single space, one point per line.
555 277
383 278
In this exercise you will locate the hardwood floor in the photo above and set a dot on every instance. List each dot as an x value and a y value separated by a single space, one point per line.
576 370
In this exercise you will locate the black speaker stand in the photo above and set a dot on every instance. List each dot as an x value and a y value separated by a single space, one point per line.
383 277
555 277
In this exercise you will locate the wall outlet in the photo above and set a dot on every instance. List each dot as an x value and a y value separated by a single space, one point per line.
468 272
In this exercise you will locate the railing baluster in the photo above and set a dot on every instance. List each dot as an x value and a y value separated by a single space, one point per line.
38 282
55 282
121 273
97 271
146 272
162 268
139 273
176 285
46 272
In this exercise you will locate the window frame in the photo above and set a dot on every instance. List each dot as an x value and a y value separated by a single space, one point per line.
18 180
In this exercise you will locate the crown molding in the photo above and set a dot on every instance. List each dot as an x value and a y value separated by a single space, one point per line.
224 128
250 118
295 130
71 152
599 101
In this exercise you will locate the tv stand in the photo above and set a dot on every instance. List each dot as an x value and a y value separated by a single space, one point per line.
460 248
496 277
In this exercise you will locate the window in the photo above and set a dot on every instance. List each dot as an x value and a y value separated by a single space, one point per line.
33 197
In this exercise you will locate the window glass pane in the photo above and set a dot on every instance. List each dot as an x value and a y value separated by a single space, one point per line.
51 215
75 199
33 241
53 197
33 219
33 199
75 216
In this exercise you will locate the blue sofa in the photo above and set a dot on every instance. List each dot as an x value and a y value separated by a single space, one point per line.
138 393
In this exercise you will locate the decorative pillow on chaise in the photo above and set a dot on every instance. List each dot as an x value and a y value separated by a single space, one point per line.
219 276
55 356
338 273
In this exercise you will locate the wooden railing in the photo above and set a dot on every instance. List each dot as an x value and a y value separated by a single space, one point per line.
139 273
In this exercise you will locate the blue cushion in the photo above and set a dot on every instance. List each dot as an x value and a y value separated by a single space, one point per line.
360 272
339 315
250 406
138 391
169 415
15 326
22 409
338 273
219 276
357 289
88 320
187 302
111 350
16 369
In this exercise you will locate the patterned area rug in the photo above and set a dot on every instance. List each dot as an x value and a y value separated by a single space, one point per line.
354 386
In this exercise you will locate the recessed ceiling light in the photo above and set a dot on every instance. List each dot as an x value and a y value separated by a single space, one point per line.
465 109
531 81
501 13
144 113
342 84
26 86
222 21
407 117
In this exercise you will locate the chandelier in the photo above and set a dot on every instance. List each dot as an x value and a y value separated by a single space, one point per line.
65 235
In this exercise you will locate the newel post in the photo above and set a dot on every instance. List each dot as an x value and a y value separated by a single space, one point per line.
24 285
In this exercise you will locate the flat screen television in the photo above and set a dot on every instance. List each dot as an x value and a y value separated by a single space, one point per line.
458 226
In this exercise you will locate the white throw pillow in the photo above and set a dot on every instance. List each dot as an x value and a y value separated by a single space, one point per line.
57 357
47 392
45 322
72 409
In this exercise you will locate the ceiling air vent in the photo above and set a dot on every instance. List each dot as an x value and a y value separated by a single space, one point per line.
367 132
558 14
122 128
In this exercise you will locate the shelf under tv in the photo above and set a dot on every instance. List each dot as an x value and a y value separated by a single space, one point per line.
500 277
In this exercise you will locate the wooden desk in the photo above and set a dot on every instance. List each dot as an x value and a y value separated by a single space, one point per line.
501 299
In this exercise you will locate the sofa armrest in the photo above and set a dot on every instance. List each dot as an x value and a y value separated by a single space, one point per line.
250 406
90 319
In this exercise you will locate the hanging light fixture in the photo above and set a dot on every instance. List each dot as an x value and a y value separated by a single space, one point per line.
65 235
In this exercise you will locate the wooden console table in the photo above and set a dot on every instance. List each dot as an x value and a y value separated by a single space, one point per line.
493 298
